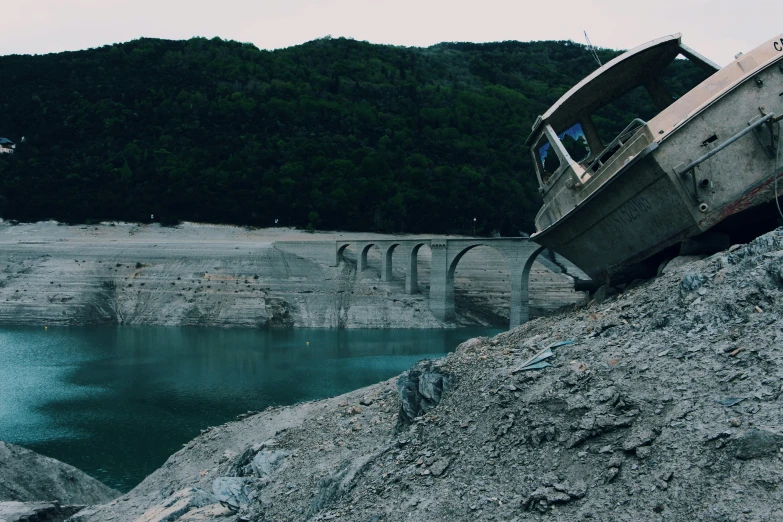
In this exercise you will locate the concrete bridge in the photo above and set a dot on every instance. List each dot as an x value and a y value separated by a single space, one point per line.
519 253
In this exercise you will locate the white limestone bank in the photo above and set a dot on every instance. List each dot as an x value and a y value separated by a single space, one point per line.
211 275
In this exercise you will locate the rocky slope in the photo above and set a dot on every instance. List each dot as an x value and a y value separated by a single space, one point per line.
661 403
210 275
34 487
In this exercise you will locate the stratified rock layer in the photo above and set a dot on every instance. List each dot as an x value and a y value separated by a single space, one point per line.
209 275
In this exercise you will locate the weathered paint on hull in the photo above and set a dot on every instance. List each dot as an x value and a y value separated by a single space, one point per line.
648 206
653 219
622 221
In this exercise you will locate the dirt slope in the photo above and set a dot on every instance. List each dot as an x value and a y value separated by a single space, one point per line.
667 406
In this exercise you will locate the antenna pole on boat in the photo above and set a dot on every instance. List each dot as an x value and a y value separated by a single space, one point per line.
592 50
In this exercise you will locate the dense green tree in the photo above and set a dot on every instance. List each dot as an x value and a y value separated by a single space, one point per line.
334 133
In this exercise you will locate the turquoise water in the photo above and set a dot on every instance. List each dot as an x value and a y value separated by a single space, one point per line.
116 401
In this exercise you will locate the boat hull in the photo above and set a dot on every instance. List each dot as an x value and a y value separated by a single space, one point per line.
622 223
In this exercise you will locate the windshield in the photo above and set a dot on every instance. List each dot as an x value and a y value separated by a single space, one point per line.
575 143
548 160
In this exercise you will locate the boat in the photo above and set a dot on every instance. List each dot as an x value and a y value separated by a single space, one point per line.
696 162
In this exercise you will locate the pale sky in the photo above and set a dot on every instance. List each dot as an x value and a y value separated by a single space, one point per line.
717 29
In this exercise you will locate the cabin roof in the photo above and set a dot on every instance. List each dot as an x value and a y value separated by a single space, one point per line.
613 79
5 141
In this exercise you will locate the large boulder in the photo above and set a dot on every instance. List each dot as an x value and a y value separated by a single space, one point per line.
267 462
421 389
755 443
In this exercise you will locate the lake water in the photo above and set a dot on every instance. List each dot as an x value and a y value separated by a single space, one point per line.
116 401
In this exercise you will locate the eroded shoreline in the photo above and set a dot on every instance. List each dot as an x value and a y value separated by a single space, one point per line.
225 276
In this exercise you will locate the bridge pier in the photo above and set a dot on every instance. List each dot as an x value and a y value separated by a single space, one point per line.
386 263
519 312
361 261
412 274
441 285
520 262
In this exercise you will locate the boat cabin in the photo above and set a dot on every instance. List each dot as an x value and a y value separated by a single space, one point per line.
568 143
628 160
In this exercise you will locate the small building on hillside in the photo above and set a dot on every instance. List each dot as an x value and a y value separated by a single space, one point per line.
6 146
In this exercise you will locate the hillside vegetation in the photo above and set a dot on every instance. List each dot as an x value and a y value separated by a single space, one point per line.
334 133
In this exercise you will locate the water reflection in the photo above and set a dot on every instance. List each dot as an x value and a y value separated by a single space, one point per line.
116 402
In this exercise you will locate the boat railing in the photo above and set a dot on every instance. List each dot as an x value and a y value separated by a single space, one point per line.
615 144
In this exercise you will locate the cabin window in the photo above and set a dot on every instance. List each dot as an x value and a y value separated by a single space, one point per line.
613 117
682 75
575 142
548 161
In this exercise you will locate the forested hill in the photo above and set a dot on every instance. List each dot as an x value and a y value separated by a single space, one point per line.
334 133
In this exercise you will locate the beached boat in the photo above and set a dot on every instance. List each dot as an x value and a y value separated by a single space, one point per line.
697 161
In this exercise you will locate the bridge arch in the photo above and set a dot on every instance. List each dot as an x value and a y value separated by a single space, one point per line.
519 255
457 255
387 254
340 251
454 262
409 250
412 274
364 249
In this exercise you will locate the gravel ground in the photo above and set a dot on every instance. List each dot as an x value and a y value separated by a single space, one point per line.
665 405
